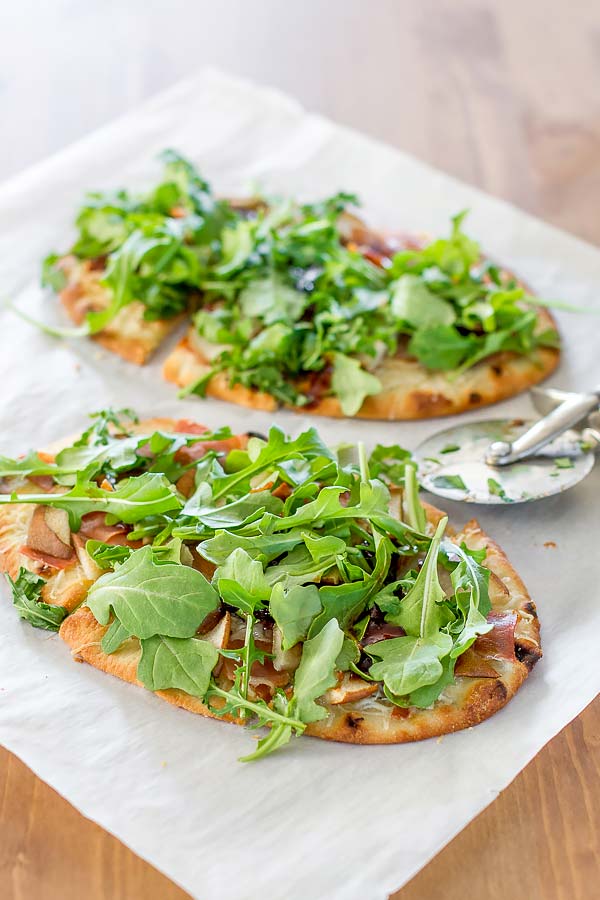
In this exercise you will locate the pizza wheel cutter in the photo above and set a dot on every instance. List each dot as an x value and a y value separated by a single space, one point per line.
502 461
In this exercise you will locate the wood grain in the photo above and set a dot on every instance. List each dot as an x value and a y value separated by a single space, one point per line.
506 97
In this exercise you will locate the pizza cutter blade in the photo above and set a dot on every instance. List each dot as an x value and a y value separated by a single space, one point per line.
502 461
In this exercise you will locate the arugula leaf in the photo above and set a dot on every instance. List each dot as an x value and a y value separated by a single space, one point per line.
315 674
469 574
563 462
242 583
373 499
133 499
90 460
26 590
245 571
351 383
237 246
426 695
279 735
441 347
450 482
421 613
348 656
409 663
272 300
473 623
261 456
28 465
326 546
341 602
238 513
496 489
389 463
345 602
294 611
415 512
299 567
118 278
52 275
107 556
100 432
279 716
470 581
267 546
114 637
182 663
150 598
87 455
416 305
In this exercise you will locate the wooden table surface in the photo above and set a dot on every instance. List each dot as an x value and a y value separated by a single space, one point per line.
507 97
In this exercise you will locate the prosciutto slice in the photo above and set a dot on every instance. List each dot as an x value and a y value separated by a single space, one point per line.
93 525
499 643
53 562
198 450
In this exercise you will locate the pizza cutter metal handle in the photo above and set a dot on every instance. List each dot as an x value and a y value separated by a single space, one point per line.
569 413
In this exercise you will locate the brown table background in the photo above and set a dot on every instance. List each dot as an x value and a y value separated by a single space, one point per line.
506 96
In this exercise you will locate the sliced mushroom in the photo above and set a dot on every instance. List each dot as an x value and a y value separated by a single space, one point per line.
350 688
49 532
219 635
284 660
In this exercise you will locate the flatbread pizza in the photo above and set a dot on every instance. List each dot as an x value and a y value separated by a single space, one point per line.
268 581
300 305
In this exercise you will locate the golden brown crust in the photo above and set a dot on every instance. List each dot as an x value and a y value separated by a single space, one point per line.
409 390
129 335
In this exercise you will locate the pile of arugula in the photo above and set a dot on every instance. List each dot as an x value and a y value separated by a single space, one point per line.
289 302
300 539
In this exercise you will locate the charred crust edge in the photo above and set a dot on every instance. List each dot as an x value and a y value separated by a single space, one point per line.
527 653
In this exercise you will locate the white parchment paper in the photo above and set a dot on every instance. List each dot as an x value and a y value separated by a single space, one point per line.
319 820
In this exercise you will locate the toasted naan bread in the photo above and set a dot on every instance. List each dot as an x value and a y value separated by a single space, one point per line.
493 669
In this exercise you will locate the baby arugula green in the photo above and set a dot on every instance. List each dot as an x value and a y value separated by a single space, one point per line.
305 550
292 306
26 590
